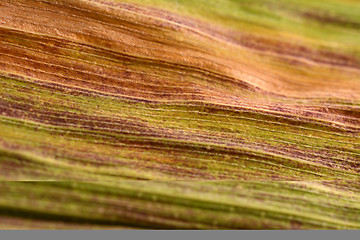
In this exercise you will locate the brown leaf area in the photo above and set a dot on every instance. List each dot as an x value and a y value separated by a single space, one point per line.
118 115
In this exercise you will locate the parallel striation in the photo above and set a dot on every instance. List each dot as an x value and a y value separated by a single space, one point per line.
147 114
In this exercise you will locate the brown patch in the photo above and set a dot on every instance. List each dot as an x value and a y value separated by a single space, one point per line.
296 225
327 18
